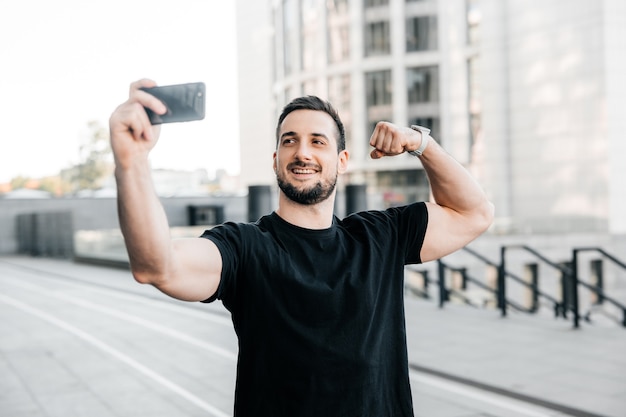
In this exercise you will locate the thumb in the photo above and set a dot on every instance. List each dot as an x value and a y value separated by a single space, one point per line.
376 154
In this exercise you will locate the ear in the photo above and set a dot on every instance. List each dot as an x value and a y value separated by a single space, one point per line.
274 162
342 164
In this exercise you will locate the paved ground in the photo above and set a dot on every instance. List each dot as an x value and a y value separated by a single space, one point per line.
80 340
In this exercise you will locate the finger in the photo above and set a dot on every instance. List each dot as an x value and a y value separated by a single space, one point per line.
132 117
384 139
146 99
375 138
142 124
388 142
143 83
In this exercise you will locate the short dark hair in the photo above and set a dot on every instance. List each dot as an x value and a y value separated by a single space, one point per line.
314 103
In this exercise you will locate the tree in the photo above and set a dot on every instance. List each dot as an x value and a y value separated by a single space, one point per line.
94 159
19 182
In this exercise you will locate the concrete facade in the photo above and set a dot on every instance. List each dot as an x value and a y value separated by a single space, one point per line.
96 214
547 122
551 99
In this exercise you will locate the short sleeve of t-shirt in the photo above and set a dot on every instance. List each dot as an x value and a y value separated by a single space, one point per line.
407 224
237 241
228 239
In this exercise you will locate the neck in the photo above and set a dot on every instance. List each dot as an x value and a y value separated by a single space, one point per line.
314 216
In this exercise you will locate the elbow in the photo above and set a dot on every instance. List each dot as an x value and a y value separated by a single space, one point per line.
147 277
485 216
142 277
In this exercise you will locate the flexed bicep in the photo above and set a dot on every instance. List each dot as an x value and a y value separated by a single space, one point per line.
449 230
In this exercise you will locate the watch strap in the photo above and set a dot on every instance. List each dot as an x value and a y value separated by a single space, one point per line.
424 131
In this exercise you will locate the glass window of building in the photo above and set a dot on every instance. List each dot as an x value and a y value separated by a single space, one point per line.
276 65
375 3
339 94
378 90
338 21
474 17
431 122
290 36
421 33
399 187
423 84
474 105
311 26
377 38
423 98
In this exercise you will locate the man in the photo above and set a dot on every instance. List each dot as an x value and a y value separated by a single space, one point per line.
317 302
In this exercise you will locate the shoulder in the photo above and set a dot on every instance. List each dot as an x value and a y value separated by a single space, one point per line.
238 235
415 213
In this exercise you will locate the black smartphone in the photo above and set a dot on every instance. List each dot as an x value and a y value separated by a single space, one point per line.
184 102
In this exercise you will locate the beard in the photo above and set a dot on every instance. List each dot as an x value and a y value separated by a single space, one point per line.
307 196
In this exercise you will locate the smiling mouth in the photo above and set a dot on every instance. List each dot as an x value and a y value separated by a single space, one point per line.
303 171
300 169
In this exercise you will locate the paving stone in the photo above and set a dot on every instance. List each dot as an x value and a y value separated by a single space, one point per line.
47 370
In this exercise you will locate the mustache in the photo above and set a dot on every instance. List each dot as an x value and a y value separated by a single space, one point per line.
301 164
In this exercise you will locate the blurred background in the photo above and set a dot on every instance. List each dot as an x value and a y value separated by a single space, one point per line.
529 96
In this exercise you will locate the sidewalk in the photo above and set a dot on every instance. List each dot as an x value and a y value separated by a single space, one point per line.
465 362
524 356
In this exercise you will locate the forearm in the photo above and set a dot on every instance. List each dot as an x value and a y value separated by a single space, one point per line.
143 223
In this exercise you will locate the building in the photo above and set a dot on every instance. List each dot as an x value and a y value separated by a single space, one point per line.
528 95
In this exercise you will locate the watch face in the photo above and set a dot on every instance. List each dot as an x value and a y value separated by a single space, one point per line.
421 129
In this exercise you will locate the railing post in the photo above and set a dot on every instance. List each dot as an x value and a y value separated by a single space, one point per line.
597 278
425 282
459 278
566 290
574 286
463 279
501 282
443 292
531 273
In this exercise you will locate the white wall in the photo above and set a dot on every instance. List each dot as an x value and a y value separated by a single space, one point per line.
256 110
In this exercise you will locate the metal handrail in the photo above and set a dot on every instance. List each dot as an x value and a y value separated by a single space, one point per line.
558 307
466 277
556 304
599 291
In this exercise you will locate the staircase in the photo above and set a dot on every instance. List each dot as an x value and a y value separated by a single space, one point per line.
525 280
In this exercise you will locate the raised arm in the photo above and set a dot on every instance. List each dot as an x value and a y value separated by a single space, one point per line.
187 269
460 211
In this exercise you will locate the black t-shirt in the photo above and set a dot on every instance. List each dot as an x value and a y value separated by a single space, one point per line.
319 314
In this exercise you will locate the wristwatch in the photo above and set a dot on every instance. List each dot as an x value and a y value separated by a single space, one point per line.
424 131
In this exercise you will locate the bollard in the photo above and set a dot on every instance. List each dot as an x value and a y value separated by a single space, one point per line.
259 201
356 198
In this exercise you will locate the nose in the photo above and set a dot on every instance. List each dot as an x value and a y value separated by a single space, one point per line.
303 151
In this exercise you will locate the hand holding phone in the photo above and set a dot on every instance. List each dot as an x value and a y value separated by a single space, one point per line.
184 102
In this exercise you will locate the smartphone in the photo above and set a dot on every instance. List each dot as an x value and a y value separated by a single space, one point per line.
184 102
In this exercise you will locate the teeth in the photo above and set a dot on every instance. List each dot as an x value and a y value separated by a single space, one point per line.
303 171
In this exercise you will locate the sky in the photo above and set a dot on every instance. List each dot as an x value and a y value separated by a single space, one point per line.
64 63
